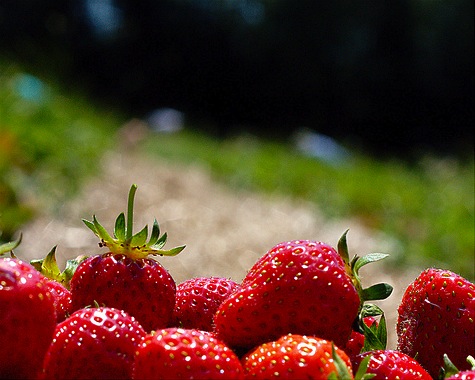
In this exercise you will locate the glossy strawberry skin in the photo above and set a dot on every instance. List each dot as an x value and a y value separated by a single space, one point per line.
198 299
62 299
355 343
176 353
298 287
391 364
94 343
141 287
292 357
27 319
463 375
437 316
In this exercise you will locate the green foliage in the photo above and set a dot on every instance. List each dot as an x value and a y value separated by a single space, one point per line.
49 143
427 208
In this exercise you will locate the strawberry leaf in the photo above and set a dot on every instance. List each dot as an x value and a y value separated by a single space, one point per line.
160 242
10 246
362 368
343 248
155 235
377 292
170 252
125 242
119 229
342 372
91 226
449 368
48 266
367 259
139 238
376 336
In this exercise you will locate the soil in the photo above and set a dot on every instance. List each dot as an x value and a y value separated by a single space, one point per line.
225 230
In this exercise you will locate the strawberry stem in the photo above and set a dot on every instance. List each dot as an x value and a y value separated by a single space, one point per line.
125 242
130 213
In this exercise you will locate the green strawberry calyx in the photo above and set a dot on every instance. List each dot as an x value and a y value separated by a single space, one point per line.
49 268
375 292
449 369
123 241
376 334
10 246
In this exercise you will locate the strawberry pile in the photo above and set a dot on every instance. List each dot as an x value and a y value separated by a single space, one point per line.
300 312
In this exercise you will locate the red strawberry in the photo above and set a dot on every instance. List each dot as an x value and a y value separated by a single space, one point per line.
176 353
390 364
61 297
124 277
198 299
27 319
437 317
300 287
94 343
464 375
296 357
58 282
357 339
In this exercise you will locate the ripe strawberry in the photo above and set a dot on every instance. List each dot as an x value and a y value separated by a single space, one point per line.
296 357
437 317
356 342
125 277
58 282
390 364
197 300
94 343
464 375
300 287
61 298
176 353
27 319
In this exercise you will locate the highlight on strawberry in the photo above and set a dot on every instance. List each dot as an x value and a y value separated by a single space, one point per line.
127 277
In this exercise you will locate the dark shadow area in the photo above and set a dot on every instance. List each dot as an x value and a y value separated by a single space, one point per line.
388 77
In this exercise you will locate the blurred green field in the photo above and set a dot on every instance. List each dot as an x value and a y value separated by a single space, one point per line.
50 142
49 147
427 208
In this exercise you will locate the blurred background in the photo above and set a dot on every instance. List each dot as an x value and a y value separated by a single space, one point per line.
364 109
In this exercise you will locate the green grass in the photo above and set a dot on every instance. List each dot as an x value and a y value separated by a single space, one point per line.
428 208
48 146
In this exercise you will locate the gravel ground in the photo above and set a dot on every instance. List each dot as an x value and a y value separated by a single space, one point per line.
225 231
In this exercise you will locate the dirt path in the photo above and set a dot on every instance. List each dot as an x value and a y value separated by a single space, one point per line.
225 231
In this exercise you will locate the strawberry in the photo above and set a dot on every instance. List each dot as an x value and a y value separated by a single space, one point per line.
390 364
176 353
93 343
300 287
197 300
436 316
296 357
125 277
57 281
355 343
61 298
27 319
463 375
